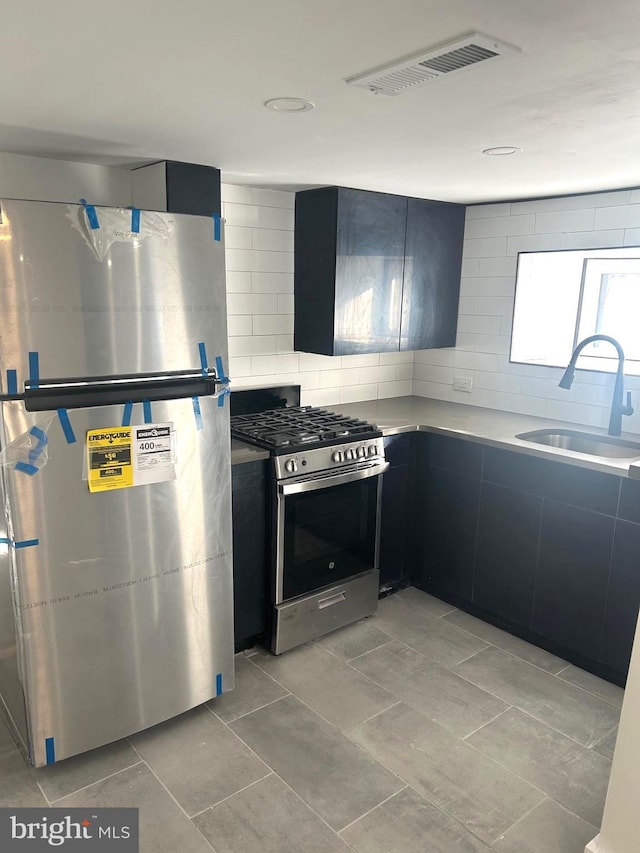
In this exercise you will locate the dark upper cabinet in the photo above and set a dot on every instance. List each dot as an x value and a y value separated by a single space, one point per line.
375 272
433 258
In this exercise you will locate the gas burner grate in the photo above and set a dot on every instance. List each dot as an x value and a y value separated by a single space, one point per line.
297 426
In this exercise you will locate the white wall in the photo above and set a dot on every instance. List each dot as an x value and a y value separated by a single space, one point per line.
61 180
259 243
494 234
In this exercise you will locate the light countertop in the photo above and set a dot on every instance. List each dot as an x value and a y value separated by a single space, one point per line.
488 426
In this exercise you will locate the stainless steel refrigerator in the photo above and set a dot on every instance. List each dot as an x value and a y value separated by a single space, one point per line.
116 591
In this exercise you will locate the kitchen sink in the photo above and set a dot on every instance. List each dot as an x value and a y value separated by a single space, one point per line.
584 442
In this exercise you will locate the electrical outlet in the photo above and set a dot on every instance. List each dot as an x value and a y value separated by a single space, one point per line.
462 383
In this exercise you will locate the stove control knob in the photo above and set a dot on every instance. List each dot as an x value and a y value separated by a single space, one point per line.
362 451
350 453
291 466
337 456
373 450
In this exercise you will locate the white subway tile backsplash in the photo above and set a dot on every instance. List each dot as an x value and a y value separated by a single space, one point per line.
477 397
275 364
380 373
271 282
499 344
538 205
478 325
285 343
366 360
238 282
443 357
251 260
497 382
563 221
254 216
494 306
492 267
273 324
590 415
593 239
239 366
357 393
321 397
311 361
605 199
253 381
486 247
237 238
422 388
271 198
627 216
402 388
632 237
500 226
239 324
252 303
404 357
404 372
254 345
285 303
521 404
235 193
479 211
433 373
335 378
485 286
465 341
470 266
268 240
534 243
476 361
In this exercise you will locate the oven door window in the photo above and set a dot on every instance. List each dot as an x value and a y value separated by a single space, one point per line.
329 535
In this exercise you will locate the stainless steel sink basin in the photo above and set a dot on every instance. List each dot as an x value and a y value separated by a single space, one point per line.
584 442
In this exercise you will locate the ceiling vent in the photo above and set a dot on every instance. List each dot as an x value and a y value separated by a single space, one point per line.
404 74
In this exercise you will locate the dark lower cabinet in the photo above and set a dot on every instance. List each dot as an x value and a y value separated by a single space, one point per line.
395 512
546 550
573 576
449 527
249 509
505 570
624 594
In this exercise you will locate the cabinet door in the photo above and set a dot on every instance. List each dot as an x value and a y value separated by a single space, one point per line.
249 513
572 577
447 525
369 265
394 527
508 532
624 597
433 260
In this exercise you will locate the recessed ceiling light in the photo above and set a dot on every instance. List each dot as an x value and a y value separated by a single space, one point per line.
289 105
502 150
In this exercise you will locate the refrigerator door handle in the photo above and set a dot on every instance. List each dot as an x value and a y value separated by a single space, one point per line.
74 393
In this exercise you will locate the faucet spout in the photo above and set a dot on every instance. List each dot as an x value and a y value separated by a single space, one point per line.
618 406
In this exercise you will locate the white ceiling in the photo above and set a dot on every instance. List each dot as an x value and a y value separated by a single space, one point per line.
123 82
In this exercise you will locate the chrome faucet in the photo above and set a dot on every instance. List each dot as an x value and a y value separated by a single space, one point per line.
618 408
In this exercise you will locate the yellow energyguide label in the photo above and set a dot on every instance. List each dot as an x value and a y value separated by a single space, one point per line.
109 462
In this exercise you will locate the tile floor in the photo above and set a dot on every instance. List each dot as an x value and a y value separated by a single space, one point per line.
421 730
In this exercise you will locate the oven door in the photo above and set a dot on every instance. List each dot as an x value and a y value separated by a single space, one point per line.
328 529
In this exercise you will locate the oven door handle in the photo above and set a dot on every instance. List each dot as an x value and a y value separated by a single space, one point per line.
311 485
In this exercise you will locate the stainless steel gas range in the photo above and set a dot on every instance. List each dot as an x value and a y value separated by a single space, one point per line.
326 487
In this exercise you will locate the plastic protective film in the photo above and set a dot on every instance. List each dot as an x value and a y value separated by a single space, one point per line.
28 453
101 227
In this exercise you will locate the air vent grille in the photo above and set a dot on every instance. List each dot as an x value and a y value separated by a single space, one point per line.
412 71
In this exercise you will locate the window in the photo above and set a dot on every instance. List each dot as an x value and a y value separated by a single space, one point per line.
563 297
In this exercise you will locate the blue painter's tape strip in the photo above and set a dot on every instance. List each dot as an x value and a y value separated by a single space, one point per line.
135 220
219 684
26 468
12 381
34 369
126 415
146 408
223 394
220 369
50 750
26 543
40 434
217 227
5 541
197 412
204 364
65 423
92 216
